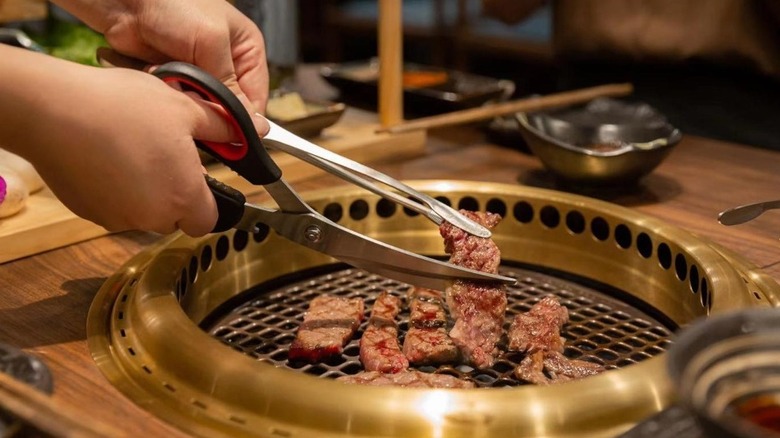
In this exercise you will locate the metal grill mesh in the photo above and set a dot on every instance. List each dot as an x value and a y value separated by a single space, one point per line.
602 328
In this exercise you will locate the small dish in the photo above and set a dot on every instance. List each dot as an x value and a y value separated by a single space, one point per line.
427 89
305 118
606 142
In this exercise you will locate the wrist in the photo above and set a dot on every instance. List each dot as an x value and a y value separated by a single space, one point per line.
35 88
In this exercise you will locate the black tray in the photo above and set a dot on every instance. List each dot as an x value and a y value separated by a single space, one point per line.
358 86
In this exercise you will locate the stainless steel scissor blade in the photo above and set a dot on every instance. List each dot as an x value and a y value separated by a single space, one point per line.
320 234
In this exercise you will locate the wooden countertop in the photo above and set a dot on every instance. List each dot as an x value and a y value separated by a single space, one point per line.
44 298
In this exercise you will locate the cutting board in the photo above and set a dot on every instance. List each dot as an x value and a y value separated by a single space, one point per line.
45 223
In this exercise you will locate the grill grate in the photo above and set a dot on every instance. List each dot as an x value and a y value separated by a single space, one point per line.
601 329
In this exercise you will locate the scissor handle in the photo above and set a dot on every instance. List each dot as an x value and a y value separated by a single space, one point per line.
249 158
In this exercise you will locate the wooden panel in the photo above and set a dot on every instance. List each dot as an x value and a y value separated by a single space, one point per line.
45 223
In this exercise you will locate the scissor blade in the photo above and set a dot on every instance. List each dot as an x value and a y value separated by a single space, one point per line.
322 235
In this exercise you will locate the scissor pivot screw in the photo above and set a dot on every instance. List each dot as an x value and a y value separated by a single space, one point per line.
313 233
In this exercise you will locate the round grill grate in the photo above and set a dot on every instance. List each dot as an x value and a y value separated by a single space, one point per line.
601 329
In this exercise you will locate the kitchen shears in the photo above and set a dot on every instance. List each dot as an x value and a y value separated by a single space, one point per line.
295 219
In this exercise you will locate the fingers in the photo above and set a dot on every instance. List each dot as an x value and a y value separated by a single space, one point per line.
211 122
202 216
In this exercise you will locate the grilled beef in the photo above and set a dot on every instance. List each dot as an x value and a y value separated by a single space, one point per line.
478 309
539 329
427 341
328 325
379 349
537 333
409 378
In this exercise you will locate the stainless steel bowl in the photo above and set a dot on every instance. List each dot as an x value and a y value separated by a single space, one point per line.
606 142
726 369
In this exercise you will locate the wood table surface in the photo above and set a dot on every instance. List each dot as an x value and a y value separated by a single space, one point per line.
44 299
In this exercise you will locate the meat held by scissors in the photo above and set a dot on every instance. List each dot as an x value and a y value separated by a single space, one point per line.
478 308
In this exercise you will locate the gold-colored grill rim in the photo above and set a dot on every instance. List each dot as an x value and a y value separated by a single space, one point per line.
143 325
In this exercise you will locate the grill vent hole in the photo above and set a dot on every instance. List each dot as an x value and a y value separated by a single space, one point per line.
523 212
468 203
644 244
694 279
223 246
681 267
358 210
240 240
550 216
262 233
599 228
575 222
496 206
623 236
193 269
333 211
664 256
385 208
205 258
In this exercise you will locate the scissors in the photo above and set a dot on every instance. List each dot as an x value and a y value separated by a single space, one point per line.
295 219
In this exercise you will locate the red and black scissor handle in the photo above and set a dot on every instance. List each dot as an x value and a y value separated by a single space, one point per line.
247 158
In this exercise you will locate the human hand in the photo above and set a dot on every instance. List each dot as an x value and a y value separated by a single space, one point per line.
211 34
114 145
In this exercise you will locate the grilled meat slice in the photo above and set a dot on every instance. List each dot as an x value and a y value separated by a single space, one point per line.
409 378
328 325
563 369
550 367
427 341
538 333
379 349
531 369
478 308
539 329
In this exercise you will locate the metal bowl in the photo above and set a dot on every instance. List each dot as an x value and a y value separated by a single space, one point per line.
606 142
726 370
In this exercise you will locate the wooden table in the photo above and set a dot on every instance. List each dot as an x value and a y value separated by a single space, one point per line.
44 299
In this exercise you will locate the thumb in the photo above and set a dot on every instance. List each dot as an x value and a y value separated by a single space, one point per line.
261 124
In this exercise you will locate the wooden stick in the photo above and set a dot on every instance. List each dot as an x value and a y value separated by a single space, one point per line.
390 63
528 104
47 414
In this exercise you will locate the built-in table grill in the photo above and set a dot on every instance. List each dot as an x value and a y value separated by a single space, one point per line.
197 330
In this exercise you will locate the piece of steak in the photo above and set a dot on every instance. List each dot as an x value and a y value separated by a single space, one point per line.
379 349
538 334
539 329
562 369
549 367
531 369
329 323
427 342
409 378
478 308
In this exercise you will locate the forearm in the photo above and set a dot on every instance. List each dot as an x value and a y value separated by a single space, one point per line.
32 90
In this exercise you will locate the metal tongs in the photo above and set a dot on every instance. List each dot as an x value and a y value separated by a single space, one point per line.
748 212
296 220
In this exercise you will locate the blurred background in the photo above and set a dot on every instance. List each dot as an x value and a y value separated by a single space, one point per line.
711 66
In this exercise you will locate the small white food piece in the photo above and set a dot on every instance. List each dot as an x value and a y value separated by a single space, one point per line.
13 194
16 164
289 106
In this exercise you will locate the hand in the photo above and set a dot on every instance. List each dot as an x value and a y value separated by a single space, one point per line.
211 34
114 145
